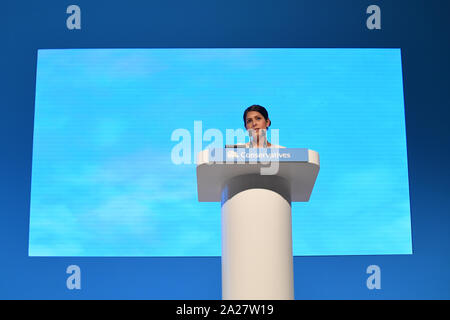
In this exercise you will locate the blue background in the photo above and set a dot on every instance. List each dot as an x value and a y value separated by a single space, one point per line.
119 191
419 28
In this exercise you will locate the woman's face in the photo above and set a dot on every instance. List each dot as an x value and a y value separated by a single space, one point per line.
255 120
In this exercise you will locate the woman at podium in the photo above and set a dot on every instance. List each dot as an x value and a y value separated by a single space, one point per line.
256 121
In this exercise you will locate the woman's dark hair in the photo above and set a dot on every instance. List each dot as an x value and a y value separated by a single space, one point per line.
258 108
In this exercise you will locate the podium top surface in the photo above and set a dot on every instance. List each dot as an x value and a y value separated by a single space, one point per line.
215 167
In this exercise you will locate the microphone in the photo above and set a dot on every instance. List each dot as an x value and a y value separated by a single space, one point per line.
234 146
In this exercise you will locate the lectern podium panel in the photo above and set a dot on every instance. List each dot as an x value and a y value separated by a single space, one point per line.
256 188
217 166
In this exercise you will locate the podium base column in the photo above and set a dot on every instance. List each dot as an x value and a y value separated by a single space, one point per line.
257 262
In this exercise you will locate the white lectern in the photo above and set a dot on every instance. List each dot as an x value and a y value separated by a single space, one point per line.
256 187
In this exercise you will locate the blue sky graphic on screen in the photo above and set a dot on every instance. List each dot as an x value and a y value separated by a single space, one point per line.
104 184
